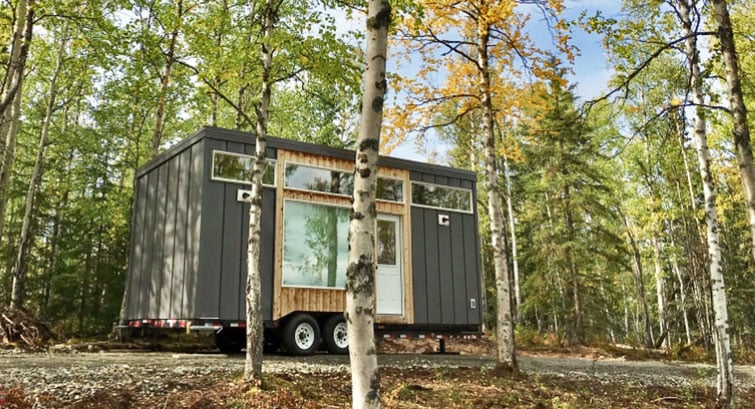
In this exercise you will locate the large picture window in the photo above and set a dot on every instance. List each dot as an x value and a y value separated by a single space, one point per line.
315 245
237 168
441 197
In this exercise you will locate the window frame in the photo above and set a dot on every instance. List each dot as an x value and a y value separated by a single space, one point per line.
271 163
327 169
470 193
283 241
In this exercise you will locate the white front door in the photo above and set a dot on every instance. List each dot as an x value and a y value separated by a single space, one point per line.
389 280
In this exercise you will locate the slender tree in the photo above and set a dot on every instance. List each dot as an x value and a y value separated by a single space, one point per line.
254 322
725 378
10 97
360 275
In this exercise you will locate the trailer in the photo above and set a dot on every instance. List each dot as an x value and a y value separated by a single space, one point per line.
187 261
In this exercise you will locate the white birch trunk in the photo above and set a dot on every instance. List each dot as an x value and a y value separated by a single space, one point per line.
19 268
10 99
254 324
506 354
512 228
360 275
170 59
659 293
724 364
741 128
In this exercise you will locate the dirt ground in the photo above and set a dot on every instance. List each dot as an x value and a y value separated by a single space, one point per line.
412 377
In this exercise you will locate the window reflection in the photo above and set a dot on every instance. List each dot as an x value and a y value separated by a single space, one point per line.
386 243
315 245
319 179
235 167
441 196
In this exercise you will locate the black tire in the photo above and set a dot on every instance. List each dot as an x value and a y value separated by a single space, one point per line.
301 335
334 335
230 340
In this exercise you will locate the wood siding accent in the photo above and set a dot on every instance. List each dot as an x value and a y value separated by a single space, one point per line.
291 299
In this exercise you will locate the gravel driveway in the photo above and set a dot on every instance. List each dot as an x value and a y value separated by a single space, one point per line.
69 377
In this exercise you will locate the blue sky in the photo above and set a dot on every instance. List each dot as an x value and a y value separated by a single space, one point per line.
591 70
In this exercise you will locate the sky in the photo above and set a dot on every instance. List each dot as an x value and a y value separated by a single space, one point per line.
591 69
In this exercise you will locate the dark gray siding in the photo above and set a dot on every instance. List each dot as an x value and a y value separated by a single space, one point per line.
222 272
189 235
163 258
445 261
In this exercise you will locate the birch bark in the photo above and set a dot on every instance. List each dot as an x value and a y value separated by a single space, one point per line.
505 351
10 99
741 128
724 364
360 275
19 268
254 324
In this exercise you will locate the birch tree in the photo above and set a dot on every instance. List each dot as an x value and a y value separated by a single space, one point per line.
360 274
10 97
481 46
741 128
724 365
19 267
254 322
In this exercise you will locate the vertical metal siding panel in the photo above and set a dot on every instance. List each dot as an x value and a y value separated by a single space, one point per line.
159 241
211 252
138 230
459 268
149 246
169 246
419 269
244 239
445 269
178 285
473 269
232 245
231 250
432 279
193 229
267 261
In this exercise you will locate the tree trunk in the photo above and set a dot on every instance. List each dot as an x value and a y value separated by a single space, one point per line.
360 275
659 292
740 128
648 333
512 228
725 378
10 99
254 324
506 354
20 267
170 59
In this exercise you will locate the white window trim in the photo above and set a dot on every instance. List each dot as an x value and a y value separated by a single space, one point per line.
469 191
270 163
283 247
299 189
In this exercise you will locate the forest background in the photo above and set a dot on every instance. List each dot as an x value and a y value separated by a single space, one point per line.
605 223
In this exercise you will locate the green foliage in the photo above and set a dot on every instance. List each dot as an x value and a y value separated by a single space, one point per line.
198 58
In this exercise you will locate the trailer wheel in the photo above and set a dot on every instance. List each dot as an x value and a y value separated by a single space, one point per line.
301 335
230 340
334 333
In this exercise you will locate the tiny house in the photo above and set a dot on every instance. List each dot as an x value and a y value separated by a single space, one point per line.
187 263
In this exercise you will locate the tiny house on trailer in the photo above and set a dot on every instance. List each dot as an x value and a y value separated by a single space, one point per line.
187 263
